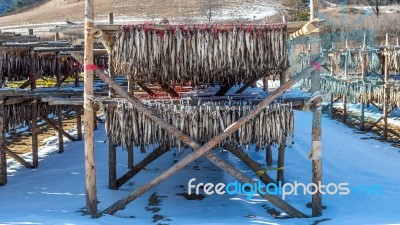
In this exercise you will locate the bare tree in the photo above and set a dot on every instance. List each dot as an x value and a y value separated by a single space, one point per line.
375 5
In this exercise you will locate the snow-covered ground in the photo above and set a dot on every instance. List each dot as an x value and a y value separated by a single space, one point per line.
54 193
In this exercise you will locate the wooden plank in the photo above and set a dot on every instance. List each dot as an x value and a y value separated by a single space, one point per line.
378 121
32 81
169 90
18 158
90 167
344 116
155 154
200 150
3 157
253 165
224 89
130 156
34 128
146 89
386 92
268 155
51 123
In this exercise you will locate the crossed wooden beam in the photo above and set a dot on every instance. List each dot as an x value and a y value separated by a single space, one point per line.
199 149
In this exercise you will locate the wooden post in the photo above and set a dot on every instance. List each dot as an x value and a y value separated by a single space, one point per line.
224 89
112 156
265 83
30 31
60 129
313 9
331 106
32 70
130 156
58 69
79 122
3 157
90 168
35 154
94 120
316 151
281 162
363 74
131 84
268 155
346 59
56 36
110 18
386 91
344 116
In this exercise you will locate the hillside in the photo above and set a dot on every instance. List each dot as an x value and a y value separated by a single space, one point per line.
54 11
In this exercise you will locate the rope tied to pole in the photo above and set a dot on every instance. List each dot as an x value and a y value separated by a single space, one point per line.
94 104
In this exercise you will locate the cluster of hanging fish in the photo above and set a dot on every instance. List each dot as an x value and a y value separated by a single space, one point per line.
337 60
200 54
356 91
14 66
126 125
393 59
19 115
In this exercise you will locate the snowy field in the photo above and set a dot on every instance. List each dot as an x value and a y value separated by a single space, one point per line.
54 193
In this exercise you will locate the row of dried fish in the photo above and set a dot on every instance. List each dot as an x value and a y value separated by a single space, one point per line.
198 55
357 92
126 125
19 115
354 60
14 66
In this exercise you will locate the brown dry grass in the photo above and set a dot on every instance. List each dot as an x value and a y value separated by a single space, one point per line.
73 10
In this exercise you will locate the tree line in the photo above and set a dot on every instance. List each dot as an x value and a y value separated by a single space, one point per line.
7 6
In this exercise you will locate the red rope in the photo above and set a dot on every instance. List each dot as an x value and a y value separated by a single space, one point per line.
91 67
316 65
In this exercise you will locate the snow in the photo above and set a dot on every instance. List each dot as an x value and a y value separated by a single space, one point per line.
54 193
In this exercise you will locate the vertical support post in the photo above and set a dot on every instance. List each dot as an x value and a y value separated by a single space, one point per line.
282 77
316 151
346 58
60 129
110 18
268 154
363 74
3 157
386 91
32 59
331 106
265 84
130 156
130 84
90 168
35 146
281 162
302 57
112 156
58 69
344 118
56 36
94 120
30 31
79 122
313 9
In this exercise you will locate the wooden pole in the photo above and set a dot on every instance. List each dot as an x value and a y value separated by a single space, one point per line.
112 156
155 154
316 141
224 89
32 77
58 69
90 168
281 162
130 156
110 18
344 116
265 84
268 155
79 122
346 59
200 150
60 129
331 106
18 158
35 153
3 157
363 74
253 165
30 31
386 92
